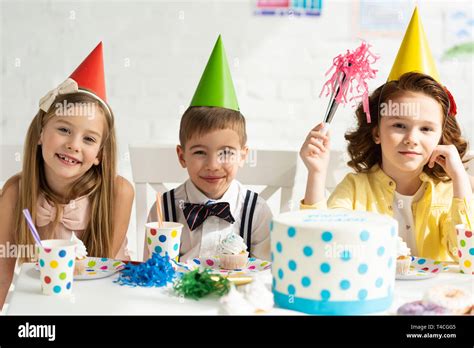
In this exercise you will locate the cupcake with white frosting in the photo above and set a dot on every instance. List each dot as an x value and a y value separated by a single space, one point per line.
403 257
233 252
81 255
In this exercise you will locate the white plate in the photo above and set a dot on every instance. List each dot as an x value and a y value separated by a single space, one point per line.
422 268
98 267
253 266
415 275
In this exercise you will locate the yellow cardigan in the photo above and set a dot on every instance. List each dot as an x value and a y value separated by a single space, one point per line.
435 214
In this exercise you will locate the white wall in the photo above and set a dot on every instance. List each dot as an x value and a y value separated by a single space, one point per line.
155 52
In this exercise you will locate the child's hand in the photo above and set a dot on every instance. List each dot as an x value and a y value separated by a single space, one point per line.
447 156
315 151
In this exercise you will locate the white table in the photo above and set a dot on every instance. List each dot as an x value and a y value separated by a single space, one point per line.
104 297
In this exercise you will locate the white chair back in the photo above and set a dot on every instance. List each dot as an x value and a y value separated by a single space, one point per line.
158 166
337 169
469 157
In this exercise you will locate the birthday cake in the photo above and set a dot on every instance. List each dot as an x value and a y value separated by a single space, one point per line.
333 261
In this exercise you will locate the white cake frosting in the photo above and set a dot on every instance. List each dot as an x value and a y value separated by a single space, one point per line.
402 248
232 244
333 261
81 250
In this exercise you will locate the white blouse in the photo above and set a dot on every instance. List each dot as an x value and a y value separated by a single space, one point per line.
402 212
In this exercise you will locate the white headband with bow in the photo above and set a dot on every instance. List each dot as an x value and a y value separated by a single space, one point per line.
66 87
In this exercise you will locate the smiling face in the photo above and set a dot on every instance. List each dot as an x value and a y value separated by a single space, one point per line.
70 145
409 131
212 160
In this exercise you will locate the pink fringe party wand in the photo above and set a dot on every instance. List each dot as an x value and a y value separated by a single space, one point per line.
351 71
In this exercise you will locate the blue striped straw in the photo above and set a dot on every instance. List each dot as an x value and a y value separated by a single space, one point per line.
32 227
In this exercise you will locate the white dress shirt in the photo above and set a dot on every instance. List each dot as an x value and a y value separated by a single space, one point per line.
203 241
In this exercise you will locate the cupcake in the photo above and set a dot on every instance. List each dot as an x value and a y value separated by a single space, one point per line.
81 255
232 252
403 257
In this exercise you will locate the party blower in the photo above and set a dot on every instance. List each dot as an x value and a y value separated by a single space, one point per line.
348 82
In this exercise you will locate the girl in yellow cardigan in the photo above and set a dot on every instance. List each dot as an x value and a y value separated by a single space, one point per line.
407 162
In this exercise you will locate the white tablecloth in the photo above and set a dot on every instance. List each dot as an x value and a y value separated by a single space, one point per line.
104 297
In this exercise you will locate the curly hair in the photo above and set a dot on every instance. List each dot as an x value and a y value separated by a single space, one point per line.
363 150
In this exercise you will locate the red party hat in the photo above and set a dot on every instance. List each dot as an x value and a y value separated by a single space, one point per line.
90 73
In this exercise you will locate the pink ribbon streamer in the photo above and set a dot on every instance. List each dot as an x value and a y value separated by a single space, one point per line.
355 66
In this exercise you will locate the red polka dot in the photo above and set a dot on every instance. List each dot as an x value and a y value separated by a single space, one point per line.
435 270
468 234
210 262
47 280
103 268
153 232
425 269
252 267
459 253
46 250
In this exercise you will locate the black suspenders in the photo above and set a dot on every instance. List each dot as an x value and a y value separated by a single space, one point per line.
248 210
169 206
247 217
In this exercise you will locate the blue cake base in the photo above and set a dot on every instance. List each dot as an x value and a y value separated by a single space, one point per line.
331 307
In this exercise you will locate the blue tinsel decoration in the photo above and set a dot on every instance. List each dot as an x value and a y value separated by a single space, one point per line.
157 271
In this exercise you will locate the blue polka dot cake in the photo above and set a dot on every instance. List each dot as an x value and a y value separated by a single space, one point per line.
333 261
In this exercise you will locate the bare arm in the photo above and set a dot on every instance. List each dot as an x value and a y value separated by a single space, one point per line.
123 199
8 200
315 155
447 156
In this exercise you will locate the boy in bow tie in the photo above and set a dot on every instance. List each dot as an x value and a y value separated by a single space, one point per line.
211 203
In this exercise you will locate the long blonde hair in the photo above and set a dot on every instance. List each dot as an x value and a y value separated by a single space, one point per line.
97 182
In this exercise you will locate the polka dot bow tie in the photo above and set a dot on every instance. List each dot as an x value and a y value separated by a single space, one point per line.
196 214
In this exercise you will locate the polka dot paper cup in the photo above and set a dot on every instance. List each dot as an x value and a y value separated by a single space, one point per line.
465 249
56 263
162 240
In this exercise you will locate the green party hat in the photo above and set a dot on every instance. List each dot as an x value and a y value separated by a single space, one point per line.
216 87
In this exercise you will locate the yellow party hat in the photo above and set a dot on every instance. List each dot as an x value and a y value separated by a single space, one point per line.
414 54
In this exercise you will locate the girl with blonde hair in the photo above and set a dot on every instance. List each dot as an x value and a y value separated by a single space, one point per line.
69 179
